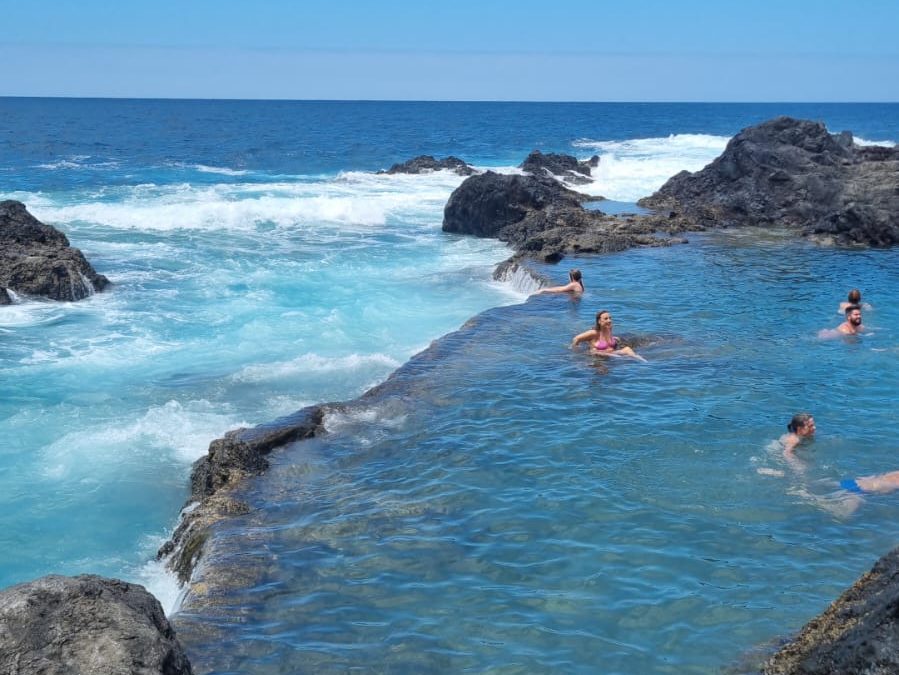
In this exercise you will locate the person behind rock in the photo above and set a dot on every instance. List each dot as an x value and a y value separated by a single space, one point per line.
575 285
601 340
854 298
800 429
851 326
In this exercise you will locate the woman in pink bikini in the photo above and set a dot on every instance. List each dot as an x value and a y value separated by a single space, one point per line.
602 341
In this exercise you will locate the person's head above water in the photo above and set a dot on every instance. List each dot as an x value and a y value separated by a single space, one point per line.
855 296
603 318
854 315
802 424
575 275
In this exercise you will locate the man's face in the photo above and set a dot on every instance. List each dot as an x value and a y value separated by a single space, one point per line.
855 317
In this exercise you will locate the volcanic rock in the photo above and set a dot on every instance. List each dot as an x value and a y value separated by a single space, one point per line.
86 625
858 634
564 166
230 460
426 164
542 219
793 173
36 259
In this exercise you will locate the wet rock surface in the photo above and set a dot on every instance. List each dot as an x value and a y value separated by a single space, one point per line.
230 460
542 219
427 163
793 173
36 259
857 634
566 167
86 625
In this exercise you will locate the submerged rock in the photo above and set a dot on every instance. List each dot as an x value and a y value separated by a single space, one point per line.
544 220
565 166
36 259
426 163
789 172
857 634
59 625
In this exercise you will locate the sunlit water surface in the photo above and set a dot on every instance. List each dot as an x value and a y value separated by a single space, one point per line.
512 506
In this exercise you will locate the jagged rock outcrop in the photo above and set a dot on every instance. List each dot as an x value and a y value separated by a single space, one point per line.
241 453
793 173
36 259
564 166
857 635
86 625
426 163
542 219
4 297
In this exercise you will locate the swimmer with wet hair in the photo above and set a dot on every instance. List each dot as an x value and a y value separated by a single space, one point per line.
801 428
575 285
601 340
854 298
851 326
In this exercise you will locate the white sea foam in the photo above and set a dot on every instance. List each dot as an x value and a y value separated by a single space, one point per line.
631 169
181 430
314 363
156 578
863 141
222 170
353 199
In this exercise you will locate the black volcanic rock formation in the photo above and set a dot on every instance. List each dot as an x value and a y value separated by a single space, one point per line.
542 219
565 166
426 163
85 625
858 634
793 173
36 259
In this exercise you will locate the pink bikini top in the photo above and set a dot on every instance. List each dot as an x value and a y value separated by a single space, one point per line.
602 345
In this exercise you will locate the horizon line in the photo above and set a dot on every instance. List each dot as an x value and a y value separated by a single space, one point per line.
441 100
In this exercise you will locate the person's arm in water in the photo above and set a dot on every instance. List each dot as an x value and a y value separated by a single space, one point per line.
571 287
790 442
586 336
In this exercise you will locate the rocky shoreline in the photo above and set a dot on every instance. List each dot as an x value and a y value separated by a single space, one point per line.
784 173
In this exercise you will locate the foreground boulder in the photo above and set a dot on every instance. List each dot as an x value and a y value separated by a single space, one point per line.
858 633
86 625
542 219
36 259
564 166
793 173
426 164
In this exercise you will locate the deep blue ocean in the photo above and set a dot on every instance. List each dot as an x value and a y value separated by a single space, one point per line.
509 505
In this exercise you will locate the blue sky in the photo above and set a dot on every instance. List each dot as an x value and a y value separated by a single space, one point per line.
568 50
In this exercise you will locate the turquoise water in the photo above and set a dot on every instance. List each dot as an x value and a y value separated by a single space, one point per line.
516 507
521 508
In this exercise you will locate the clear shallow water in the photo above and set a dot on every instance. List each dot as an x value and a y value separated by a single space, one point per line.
516 507
259 265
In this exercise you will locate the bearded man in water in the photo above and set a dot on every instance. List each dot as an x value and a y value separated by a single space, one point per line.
853 323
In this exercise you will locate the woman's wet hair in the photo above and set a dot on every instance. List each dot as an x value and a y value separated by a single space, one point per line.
599 314
575 275
799 420
855 296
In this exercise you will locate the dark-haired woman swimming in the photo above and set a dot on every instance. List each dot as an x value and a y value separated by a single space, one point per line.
602 341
